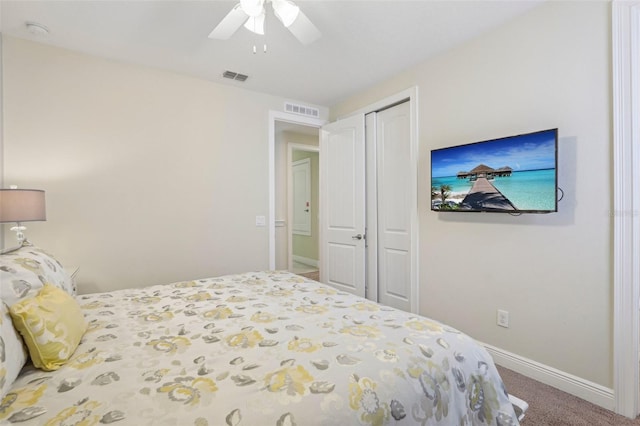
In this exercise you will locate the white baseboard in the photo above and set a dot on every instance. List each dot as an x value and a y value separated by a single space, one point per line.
574 385
306 261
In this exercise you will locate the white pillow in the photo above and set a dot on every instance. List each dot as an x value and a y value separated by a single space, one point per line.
23 273
13 354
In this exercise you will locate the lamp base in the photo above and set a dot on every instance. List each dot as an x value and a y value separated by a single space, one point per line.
22 240
19 230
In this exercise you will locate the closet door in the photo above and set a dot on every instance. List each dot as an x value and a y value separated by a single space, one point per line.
396 194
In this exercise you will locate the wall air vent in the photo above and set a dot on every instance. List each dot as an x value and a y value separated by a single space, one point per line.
302 110
234 76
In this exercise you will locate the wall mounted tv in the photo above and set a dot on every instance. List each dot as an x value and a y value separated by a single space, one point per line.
515 174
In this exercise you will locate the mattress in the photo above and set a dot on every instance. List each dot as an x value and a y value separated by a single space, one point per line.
260 348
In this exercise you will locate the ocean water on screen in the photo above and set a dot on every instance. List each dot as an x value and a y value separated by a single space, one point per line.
527 190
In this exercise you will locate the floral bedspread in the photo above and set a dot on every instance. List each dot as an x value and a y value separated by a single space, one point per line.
263 348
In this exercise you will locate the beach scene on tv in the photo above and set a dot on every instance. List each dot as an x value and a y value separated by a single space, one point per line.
512 174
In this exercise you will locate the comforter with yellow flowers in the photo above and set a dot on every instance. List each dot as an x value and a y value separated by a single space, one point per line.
266 348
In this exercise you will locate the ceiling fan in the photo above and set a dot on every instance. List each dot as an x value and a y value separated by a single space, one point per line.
252 13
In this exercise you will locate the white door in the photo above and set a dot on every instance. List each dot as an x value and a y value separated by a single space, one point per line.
301 182
396 194
342 196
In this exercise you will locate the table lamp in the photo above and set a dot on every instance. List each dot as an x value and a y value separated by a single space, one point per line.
21 205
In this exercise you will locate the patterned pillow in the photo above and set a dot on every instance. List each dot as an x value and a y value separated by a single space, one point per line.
24 272
51 324
13 354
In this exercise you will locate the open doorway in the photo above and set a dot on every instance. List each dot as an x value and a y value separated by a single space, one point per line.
296 167
304 201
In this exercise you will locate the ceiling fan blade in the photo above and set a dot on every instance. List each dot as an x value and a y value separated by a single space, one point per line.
286 11
304 30
229 24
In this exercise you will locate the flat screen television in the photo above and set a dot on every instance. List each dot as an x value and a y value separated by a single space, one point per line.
515 174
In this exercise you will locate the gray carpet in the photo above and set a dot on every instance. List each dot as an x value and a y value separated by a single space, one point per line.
550 406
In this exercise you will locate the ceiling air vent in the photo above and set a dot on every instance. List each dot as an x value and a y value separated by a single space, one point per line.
302 110
234 76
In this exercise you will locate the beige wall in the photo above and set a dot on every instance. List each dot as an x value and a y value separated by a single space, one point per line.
549 68
151 177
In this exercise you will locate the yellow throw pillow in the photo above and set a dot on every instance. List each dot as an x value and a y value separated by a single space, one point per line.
51 324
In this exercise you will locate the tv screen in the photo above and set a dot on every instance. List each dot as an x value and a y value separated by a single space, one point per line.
515 174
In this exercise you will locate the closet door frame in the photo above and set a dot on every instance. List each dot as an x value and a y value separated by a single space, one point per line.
409 95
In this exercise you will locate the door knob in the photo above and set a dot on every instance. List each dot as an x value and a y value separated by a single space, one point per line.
358 237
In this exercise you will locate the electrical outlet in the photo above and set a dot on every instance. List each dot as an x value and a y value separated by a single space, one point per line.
503 318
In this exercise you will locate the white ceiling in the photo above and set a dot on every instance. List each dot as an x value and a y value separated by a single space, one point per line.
363 42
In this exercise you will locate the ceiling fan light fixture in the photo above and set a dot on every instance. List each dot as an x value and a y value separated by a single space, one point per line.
286 11
252 13
253 8
255 24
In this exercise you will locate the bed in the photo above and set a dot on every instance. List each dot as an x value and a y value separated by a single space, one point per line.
258 348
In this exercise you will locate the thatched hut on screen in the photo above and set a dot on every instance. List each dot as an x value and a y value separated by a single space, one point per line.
481 171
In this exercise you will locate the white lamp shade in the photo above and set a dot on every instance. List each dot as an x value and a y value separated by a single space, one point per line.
22 205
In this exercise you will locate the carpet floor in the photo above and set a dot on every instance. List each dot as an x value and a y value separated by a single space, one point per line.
315 275
550 406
